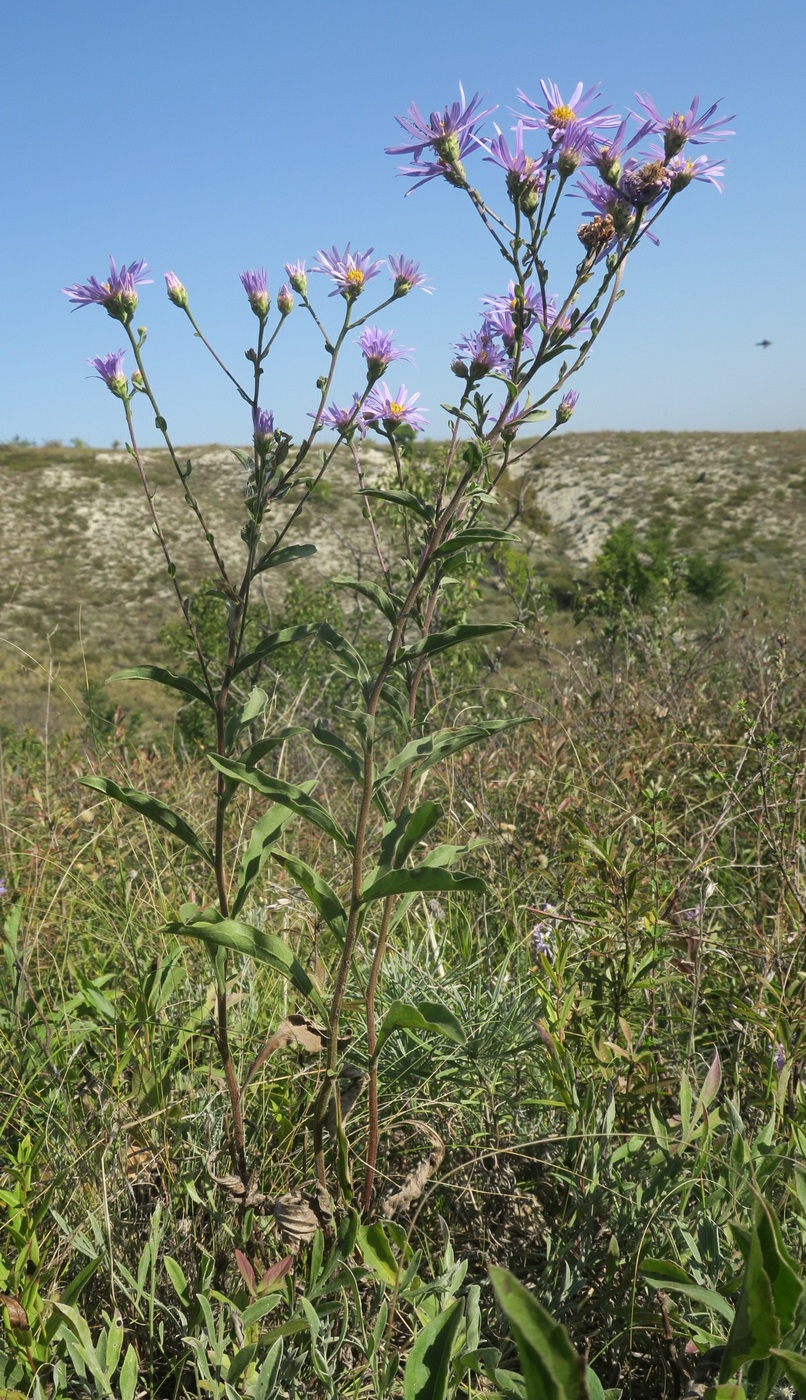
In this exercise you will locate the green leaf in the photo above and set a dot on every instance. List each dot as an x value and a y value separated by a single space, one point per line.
273 558
155 811
771 1295
451 637
348 757
284 638
129 1372
240 1362
261 747
552 1369
269 1373
421 879
264 834
167 678
471 538
377 1253
427 1372
387 603
425 1016
402 836
252 943
401 497
287 794
663 1273
421 754
318 891
177 1277
793 1365
352 661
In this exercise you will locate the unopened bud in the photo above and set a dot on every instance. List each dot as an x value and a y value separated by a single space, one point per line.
566 406
285 301
177 293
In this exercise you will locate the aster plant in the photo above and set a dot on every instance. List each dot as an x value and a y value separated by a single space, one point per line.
513 372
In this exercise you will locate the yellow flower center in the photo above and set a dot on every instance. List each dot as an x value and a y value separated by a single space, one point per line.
562 115
355 277
395 410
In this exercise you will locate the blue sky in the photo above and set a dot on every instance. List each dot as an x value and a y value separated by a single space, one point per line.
208 140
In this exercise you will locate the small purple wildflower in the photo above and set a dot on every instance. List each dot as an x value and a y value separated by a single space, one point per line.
263 428
345 420
691 915
502 323
554 115
349 271
448 134
644 184
297 275
256 288
525 178
481 352
407 275
682 171
609 154
516 417
285 300
523 308
688 127
379 351
543 935
392 412
3 888
118 295
109 368
779 1058
177 292
574 146
565 408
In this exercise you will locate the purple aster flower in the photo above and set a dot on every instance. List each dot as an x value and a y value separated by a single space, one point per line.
3 888
345 420
543 934
177 292
688 127
508 328
682 171
350 271
607 204
524 308
379 350
573 146
481 352
117 295
407 275
516 417
525 176
448 134
109 368
609 154
285 300
566 406
381 407
296 274
554 115
263 420
779 1058
255 286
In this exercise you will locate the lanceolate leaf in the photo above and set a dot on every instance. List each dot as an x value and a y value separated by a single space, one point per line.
264 834
252 943
403 498
287 794
167 678
401 837
155 811
771 1298
348 757
552 1369
284 638
273 558
387 603
425 1016
471 539
421 879
428 1364
451 637
421 754
318 891
353 663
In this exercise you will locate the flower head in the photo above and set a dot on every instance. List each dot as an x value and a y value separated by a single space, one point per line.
379 351
525 177
574 146
346 421
555 115
285 300
608 155
682 171
392 412
543 935
508 327
524 306
566 406
117 295
444 131
263 421
255 286
349 271
177 292
407 275
479 354
109 368
296 274
644 184
688 127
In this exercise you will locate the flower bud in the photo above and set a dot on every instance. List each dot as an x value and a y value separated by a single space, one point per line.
109 368
285 301
177 293
254 284
263 429
566 406
295 272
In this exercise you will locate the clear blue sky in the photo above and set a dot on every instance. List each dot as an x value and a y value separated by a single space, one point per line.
210 138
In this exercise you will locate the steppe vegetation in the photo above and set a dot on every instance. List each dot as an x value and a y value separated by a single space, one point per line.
630 988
